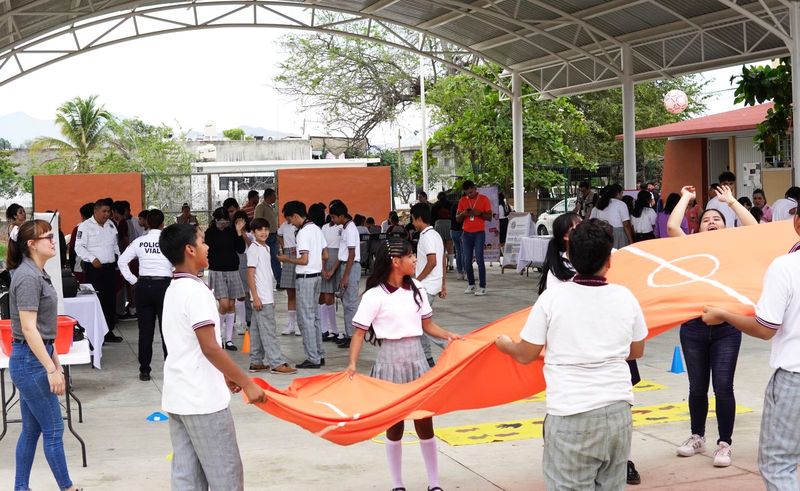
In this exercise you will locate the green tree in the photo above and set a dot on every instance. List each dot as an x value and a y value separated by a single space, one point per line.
10 180
84 125
5 144
759 84
234 134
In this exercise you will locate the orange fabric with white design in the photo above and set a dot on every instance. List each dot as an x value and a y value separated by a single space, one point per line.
672 278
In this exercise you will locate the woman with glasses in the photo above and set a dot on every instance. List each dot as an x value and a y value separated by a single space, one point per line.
34 366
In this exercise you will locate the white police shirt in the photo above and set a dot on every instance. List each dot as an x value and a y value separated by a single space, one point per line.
97 241
148 252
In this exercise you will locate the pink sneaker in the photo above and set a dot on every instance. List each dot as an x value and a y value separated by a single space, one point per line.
693 445
722 457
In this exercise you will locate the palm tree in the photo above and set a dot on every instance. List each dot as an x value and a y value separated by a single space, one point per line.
85 127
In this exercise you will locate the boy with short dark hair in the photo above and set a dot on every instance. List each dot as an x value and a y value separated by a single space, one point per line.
264 344
198 374
348 262
590 329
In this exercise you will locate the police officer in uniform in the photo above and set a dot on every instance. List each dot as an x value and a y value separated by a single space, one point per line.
155 274
97 248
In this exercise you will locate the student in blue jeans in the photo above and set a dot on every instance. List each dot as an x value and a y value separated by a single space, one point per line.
711 352
34 365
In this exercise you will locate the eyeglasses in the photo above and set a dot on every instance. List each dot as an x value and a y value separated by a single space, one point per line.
50 237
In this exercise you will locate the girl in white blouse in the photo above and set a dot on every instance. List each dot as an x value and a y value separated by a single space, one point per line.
611 209
394 311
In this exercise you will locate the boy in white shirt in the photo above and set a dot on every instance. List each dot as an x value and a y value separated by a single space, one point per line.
590 329
263 336
348 262
308 260
198 374
431 265
777 318
286 239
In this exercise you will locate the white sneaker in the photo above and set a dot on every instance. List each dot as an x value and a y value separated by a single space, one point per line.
722 457
693 445
470 289
461 277
287 331
297 332
480 292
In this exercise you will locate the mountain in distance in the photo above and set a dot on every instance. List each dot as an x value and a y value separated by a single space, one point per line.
19 128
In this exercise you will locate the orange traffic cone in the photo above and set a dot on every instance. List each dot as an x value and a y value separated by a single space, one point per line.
246 342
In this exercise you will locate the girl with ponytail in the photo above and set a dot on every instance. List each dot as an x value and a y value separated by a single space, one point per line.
556 267
394 312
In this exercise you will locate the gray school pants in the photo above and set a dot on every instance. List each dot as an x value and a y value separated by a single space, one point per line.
779 442
307 295
350 299
588 451
264 346
426 340
205 452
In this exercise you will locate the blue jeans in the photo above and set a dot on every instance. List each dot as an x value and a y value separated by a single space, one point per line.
272 242
456 235
473 243
711 353
41 414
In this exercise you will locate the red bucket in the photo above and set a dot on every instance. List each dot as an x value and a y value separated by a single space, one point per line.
66 326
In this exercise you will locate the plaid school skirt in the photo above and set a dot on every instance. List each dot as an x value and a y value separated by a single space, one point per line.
288 270
330 286
400 360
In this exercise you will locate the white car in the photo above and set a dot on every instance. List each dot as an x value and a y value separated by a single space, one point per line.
544 225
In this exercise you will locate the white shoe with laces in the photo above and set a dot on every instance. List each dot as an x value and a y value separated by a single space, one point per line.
480 292
722 456
695 444
470 289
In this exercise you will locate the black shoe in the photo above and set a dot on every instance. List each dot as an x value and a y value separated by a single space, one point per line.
435 488
144 377
112 338
341 341
230 346
633 474
322 362
431 363
328 337
307 364
345 344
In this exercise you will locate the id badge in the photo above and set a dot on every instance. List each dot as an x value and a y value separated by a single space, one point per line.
472 219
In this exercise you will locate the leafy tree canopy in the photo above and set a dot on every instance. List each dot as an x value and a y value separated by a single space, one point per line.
759 84
234 134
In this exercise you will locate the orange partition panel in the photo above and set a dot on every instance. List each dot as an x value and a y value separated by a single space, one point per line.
365 190
67 193
684 164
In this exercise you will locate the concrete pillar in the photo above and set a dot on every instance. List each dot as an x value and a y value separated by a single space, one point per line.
628 120
516 121
794 49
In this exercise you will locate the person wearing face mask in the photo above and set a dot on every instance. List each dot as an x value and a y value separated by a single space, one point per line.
711 352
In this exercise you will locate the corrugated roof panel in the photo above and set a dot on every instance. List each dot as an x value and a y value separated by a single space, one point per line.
527 11
469 30
683 50
516 52
693 8
413 12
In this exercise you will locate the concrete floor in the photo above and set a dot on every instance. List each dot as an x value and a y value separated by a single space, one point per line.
126 452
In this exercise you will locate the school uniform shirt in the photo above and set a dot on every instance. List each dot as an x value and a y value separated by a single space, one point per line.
644 223
362 230
779 308
258 257
480 204
97 241
767 214
311 241
192 385
151 262
726 211
781 209
393 312
333 234
350 240
614 214
287 231
587 331
430 242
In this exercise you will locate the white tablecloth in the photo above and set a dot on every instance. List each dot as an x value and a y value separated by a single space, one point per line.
87 311
532 251
78 355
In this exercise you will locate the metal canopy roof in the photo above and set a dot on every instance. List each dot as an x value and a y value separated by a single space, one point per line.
558 46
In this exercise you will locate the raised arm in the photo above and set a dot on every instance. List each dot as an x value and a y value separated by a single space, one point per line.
743 214
676 217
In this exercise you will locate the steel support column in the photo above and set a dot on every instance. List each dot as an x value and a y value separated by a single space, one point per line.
516 121
628 120
794 49
424 144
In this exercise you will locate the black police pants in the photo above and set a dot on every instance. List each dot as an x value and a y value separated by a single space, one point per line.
149 306
104 281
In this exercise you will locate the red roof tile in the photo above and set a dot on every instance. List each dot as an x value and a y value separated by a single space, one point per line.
737 120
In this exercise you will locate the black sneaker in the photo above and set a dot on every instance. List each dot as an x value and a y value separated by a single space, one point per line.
345 344
431 363
230 346
633 474
112 338
144 377
307 364
322 362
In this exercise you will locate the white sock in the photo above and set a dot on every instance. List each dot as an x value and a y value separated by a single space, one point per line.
292 323
228 321
394 454
323 319
431 458
240 313
332 325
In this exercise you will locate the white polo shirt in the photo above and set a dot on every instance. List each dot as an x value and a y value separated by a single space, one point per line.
192 385
393 312
151 262
726 211
310 240
587 331
644 223
781 209
259 259
332 234
430 242
287 232
97 242
351 239
615 213
779 308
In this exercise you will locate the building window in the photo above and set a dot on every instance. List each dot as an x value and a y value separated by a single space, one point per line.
784 159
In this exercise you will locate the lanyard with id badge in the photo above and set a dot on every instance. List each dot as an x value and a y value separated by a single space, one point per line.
472 207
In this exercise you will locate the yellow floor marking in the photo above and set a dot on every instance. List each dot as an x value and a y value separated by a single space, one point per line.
643 386
525 429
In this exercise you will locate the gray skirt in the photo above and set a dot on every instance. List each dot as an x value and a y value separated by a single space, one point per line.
400 360
443 227
329 286
225 284
287 270
620 238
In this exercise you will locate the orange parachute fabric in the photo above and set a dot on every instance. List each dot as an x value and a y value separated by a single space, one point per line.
672 278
